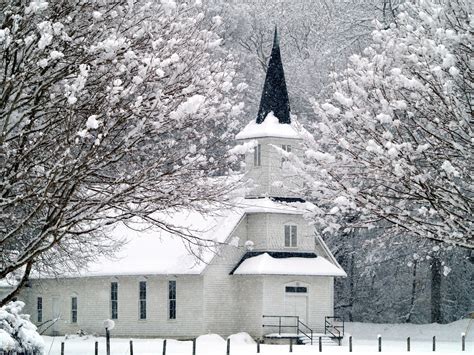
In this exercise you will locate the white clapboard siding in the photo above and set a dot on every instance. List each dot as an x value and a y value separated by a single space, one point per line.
220 291
272 170
93 294
320 298
267 231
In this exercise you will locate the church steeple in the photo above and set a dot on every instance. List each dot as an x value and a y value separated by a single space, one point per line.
274 95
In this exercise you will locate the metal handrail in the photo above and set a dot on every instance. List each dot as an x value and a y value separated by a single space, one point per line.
297 326
279 325
311 331
328 325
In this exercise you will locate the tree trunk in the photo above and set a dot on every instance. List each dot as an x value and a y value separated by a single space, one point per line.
16 289
351 287
413 293
435 290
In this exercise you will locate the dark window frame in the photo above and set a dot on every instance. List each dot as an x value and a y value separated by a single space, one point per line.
286 148
39 309
114 300
296 289
74 309
142 294
172 299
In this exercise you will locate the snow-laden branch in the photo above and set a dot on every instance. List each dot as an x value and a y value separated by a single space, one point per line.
396 140
108 112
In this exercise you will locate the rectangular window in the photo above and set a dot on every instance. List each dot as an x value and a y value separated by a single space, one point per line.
74 310
286 148
114 300
142 299
297 289
290 236
257 155
39 309
172 299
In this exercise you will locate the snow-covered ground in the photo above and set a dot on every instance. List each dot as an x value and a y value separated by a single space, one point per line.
364 342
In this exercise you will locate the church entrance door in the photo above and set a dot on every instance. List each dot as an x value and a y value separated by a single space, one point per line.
297 305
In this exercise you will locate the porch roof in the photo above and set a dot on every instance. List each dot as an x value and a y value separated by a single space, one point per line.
303 265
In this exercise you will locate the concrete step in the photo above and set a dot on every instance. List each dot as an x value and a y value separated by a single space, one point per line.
325 340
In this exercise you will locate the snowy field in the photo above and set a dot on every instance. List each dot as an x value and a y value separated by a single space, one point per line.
364 342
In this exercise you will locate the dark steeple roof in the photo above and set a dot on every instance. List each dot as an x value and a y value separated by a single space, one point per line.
274 95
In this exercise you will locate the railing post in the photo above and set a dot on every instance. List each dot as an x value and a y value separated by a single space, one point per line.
463 342
228 346
434 343
62 348
291 345
408 344
131 347
350 343
96 348
320 345
380 342
311 336
194 346
258 346
164 347
279 325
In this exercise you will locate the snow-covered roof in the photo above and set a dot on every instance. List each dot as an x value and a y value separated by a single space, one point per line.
149 250
270 127
265 264
4 283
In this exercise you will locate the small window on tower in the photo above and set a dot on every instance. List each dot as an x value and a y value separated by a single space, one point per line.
286 148
257 155
290 236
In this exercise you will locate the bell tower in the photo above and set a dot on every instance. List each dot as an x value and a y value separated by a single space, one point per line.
275 134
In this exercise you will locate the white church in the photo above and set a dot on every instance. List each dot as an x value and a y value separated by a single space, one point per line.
271 275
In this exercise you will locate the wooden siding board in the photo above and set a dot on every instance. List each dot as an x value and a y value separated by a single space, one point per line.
94 305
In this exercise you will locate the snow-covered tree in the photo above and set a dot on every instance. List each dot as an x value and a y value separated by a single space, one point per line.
17 333
107 112
317 37
395 143
421 281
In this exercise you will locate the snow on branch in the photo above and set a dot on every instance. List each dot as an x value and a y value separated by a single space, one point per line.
108 111
399 129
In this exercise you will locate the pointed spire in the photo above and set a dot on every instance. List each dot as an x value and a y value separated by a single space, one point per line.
274 95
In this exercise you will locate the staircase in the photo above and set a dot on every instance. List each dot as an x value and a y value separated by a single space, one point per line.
332 336
326 340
